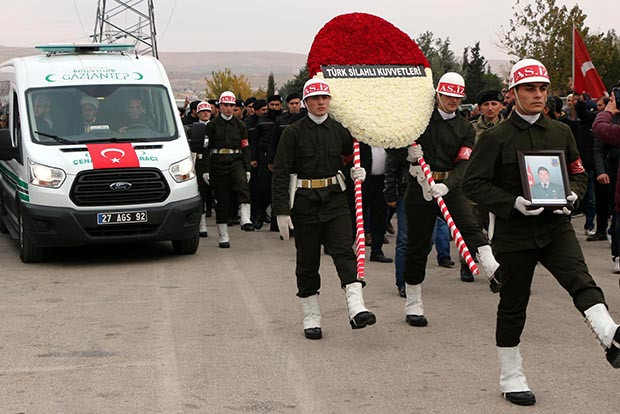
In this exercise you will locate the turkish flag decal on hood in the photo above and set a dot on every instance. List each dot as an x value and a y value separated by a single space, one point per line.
113 155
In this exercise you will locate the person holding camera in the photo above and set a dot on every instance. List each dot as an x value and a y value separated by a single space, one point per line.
606 128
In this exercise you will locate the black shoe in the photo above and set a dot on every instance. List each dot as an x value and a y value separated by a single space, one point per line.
208 213
362 320
402 292
380 257
267 218
224 245
597 237
416 320
466 275
258 224
445 262
248 227
203 234
313 333
521 397
613 353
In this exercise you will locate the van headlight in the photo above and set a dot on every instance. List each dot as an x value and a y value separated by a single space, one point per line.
45 176
183 170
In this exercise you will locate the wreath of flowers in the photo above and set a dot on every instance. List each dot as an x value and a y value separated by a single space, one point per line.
382 112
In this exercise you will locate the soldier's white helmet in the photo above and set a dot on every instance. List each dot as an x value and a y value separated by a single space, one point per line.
228 97
204 106
316 86
527 71
451 84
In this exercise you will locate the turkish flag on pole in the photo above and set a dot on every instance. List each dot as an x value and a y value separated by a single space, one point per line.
585 76
113 155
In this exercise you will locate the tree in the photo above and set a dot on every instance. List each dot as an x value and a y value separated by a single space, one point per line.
477 74
224 80
438 54
271 85
605 53
543 31
296 84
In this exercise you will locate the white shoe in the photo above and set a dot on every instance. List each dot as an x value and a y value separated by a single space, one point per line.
359 316
606 330
589 232
616 267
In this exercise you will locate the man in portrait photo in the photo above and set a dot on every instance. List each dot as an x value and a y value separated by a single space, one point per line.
545 189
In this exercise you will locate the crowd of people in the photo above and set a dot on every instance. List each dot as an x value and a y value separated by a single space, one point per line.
256 156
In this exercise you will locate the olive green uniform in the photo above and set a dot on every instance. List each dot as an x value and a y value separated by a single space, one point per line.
493 180
446 145
227 172
314 151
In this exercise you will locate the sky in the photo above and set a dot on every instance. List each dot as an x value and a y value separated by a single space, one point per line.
277 25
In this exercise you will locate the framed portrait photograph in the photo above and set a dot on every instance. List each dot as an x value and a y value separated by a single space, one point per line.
544 178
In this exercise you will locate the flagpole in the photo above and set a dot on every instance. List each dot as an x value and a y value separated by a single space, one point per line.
573 61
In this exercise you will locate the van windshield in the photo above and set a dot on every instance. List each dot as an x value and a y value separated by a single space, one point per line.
100 113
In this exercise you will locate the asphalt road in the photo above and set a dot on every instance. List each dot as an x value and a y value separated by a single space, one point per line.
136 329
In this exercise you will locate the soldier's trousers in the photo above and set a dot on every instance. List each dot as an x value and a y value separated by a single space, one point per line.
224 185
205 190
564 259
336 234
421 215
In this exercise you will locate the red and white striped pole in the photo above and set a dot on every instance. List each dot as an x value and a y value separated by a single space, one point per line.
456 234
360 236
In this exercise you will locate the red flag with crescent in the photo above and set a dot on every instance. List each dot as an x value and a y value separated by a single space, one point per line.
113 155
587 78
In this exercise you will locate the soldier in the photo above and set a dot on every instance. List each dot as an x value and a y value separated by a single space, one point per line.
203 110
228 166
524 237
260 144
309 162
447 142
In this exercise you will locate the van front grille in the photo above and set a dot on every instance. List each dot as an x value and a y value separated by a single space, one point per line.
95 187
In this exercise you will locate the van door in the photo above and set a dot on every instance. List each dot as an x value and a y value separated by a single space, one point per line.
14 187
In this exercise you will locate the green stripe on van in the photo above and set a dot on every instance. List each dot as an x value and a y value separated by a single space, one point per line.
14 180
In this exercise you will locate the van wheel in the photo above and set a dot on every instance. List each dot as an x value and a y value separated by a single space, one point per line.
187 246
28 251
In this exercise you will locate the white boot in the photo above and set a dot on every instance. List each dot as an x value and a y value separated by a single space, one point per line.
512 381
414 309
616 268
312 317
359 316
223 241
203 226
606 330
244 212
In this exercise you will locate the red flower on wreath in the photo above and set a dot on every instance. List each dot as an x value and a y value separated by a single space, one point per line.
362 39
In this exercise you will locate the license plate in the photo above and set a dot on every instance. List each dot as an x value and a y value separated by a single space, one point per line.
122 217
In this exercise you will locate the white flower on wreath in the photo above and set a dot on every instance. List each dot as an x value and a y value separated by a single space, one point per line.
383 112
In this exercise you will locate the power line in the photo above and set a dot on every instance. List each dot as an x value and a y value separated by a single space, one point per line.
169 20
79 18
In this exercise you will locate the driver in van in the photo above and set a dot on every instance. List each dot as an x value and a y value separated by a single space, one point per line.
43 120
136 116
88 107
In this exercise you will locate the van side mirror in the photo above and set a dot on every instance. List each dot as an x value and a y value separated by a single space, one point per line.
7 150
196 136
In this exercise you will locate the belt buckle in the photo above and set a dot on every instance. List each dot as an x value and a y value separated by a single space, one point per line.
318 183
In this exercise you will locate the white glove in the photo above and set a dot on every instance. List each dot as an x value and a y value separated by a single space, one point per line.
205 177
414 153
521 205
571 198
284 224
358 173
439 190
416 171
248 175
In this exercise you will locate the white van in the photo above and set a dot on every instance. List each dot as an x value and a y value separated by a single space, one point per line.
92 151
